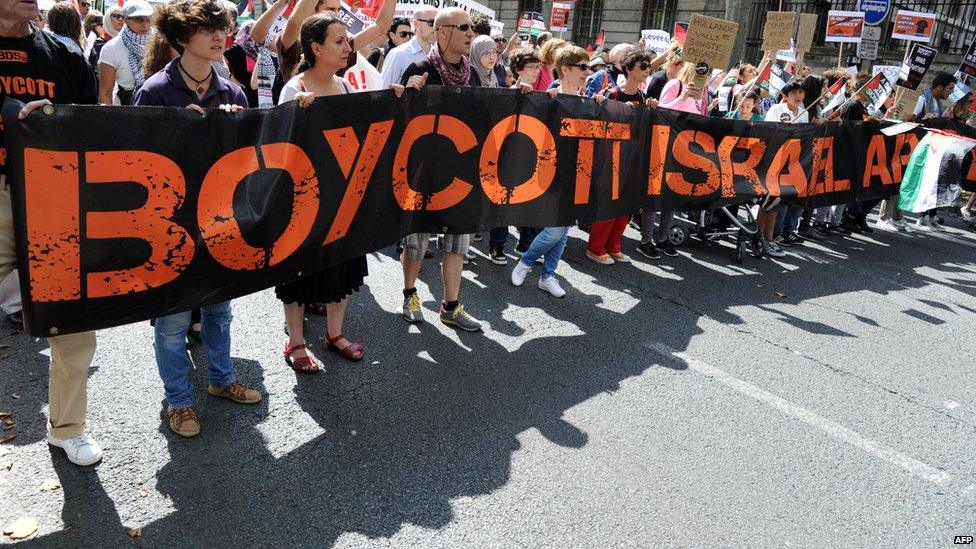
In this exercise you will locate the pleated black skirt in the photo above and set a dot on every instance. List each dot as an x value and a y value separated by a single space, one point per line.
329 285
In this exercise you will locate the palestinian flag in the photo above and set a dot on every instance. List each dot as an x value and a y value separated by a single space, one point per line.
777 80
877 89
835 97
935 172
245 11
680 31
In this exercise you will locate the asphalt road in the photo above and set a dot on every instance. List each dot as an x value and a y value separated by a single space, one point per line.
823 400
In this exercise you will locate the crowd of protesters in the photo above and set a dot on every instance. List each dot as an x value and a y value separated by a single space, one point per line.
191 54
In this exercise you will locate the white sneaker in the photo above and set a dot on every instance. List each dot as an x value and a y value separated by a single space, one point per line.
887 225
966 214
519 273
922 224
935 225
82 450
551 285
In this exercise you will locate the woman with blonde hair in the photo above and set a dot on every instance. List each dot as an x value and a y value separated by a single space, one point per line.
547 53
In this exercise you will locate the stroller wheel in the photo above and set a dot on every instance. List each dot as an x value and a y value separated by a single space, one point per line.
740 251
758 247
678 235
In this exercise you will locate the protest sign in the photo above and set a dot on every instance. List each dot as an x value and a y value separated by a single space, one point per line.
844 26
778 32
708 46
405 8
131 213
968 66
805 31
531 24
363 76
905 100
890 72
656 40
913 26
559 19
916 65
786 55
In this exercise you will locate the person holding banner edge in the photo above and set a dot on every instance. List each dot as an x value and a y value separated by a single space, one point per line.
446 64
197 30
71 80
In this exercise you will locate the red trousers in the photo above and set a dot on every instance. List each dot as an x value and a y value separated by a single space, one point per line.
605 235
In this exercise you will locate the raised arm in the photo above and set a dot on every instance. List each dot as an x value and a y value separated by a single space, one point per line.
379 27
259 32
303 10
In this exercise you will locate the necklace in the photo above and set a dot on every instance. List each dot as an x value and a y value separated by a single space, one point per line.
200 87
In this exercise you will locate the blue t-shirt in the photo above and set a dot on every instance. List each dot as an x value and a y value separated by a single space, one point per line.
167 88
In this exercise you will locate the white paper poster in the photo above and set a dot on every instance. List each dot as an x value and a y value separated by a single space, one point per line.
656 40
363 76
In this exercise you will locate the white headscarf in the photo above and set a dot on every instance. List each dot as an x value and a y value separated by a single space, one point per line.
107 20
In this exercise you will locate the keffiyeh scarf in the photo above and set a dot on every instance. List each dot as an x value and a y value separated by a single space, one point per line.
136 45
451 75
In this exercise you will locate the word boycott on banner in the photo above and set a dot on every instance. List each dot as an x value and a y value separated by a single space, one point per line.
132 213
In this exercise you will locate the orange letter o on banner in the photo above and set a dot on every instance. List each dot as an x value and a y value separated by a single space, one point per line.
449 127
545 167
215 211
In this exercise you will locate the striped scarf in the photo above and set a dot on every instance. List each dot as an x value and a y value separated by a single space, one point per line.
136 44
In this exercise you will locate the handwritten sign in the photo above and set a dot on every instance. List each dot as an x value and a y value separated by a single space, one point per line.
778 32
656 41
805 31
708 46
844 26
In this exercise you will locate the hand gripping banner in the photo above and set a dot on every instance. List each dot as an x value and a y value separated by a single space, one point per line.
124 214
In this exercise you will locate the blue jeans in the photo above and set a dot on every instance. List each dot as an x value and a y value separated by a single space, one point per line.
173 360
787 218
549 243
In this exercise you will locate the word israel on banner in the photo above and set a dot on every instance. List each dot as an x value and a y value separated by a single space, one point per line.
352 173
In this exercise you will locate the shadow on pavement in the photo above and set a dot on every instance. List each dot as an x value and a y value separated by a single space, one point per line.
402 440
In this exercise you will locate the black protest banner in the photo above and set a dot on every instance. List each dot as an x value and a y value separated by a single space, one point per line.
123 214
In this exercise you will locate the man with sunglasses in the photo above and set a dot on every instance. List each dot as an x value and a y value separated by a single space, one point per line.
446 64
399 33
84 6
290 51
413 50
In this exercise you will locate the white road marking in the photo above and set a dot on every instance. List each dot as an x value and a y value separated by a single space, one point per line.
878 450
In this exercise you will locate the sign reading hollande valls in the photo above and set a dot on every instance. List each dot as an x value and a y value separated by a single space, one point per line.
875 11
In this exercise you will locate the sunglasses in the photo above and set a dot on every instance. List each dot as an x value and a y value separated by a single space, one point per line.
428 21
463 28
644 66
501 40
117 16
581 66
404 34
86 4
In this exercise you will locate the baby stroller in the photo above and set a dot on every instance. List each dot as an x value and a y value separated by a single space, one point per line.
711 226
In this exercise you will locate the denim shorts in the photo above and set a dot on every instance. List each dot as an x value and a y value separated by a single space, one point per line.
416 244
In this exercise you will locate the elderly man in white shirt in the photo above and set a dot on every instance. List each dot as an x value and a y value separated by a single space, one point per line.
402 56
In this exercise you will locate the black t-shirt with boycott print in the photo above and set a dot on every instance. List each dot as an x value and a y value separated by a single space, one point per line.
37 66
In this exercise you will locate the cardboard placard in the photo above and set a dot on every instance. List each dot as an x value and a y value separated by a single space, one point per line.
905 100
805 31
890 72
913 26
778 32
559 19
708 46
968 66
916 65
656 41
844 26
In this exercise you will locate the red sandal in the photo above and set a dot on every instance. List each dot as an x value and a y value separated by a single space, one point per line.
353 351
301 364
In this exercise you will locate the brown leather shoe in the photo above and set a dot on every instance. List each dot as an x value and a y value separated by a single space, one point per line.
238 392
183 421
